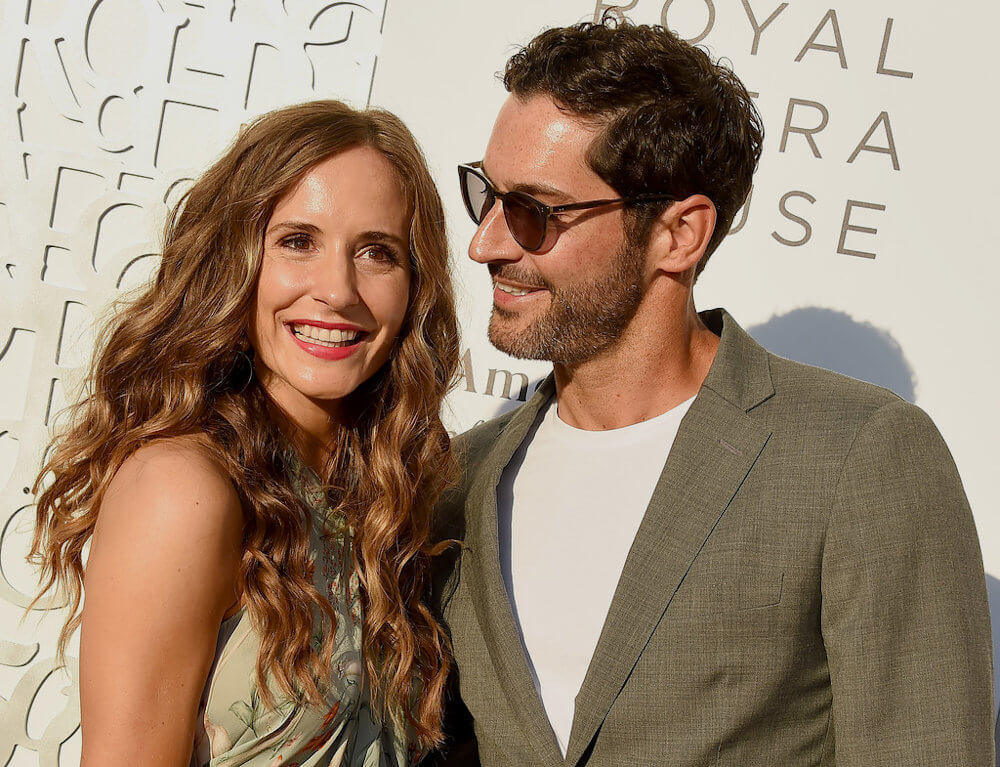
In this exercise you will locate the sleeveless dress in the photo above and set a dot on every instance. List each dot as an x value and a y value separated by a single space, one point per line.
235 729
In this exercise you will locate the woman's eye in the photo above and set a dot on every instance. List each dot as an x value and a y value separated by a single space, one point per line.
379 253
297 242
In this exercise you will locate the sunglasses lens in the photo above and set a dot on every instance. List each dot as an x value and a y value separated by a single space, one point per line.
525 220
477 195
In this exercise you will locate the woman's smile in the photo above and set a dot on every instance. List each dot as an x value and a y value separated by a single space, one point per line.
329 341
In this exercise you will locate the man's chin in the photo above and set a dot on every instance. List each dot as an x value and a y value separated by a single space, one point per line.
514 338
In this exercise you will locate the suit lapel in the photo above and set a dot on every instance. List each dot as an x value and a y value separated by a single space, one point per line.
716 447
489 595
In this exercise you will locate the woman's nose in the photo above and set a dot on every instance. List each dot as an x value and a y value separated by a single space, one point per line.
335 281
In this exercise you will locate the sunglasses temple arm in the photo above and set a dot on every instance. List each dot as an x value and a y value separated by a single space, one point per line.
598 203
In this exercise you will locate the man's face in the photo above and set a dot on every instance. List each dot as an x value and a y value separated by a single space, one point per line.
572 299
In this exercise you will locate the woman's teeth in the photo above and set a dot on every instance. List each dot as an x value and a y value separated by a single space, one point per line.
325 337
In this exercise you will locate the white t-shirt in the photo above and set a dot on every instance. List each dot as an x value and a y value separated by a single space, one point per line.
570 502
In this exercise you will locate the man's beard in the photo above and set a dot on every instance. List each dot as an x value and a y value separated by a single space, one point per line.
582 320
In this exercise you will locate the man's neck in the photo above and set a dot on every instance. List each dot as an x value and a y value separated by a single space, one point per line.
660 362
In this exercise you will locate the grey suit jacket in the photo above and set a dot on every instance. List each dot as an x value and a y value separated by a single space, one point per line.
806 588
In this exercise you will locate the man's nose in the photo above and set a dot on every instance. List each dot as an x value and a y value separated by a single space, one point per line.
492 240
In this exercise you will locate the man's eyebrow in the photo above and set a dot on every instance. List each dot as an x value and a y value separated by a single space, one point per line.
543 190
535 189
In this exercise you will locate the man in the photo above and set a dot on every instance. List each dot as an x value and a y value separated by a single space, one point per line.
684 550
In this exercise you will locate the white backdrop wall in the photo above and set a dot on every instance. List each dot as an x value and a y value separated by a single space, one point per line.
866 245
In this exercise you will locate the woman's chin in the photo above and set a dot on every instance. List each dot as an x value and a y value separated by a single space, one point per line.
329 395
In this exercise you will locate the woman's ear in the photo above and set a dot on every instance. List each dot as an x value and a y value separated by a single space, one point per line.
680 235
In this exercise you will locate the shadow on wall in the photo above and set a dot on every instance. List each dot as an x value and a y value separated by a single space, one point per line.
832 340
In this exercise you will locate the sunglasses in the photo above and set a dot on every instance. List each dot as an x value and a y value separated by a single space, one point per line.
527 218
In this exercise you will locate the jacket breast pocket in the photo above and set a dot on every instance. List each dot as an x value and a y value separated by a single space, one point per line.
736 589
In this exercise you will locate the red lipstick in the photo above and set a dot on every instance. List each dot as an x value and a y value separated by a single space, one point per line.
327 325
327 352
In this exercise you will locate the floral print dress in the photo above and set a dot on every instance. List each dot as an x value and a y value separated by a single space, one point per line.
236 729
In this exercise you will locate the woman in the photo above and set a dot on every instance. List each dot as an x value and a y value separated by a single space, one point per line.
256 460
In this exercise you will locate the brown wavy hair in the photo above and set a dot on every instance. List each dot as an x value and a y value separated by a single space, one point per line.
163 368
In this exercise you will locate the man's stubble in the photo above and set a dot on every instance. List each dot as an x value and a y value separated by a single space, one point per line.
582 320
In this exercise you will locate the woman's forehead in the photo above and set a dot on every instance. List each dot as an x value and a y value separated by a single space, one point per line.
358 187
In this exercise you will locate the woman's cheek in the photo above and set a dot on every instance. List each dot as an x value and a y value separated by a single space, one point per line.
388 299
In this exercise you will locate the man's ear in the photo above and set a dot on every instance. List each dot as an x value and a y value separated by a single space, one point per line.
680 235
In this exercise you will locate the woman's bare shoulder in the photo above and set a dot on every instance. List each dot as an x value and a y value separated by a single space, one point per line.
188 458
181 471
172 493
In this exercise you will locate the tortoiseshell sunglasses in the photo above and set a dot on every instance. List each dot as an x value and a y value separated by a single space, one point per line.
527 218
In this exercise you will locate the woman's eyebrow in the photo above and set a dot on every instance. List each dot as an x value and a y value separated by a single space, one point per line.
294 226
379 236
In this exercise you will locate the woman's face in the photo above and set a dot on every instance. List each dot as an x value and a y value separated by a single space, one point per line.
334 282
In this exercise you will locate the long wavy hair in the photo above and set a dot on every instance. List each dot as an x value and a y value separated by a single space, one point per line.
162 368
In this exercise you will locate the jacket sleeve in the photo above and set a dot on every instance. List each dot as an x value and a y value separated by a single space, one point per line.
905 617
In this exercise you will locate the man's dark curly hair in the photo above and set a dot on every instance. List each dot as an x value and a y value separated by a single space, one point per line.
674 122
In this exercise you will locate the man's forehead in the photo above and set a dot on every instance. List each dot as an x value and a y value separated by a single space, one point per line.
533 136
